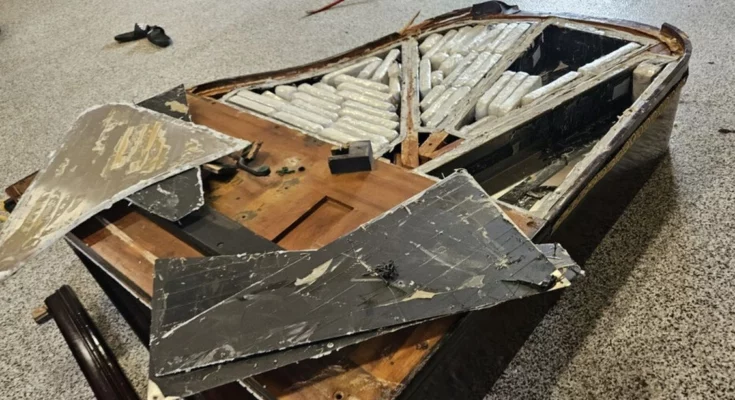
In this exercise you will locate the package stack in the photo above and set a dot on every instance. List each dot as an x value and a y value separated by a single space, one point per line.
517 89
454 62
357 102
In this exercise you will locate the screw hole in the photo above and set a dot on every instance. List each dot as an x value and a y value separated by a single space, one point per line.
339 396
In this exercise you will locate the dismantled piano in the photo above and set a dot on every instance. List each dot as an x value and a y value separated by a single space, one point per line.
390 222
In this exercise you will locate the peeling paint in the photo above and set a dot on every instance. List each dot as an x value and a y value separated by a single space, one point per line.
314 275
110 152
176 106
420 294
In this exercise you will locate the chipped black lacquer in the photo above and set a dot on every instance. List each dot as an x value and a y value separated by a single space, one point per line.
454 249
179 195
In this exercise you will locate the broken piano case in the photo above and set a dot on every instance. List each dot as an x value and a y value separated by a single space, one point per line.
561 118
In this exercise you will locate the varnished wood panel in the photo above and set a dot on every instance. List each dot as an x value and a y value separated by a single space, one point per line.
316 227
270 205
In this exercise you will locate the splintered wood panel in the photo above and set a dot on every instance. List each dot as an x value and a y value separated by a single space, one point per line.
292 208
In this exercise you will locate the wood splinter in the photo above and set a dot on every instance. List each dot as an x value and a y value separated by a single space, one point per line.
325 8
40 314
431 144
409 23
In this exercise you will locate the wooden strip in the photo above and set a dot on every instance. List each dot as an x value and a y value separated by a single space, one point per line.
446 149
130 243
432 143
410 105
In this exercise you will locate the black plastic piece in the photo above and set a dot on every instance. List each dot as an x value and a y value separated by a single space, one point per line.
158 37
248 155
355 157
261 170
179 195
9 204
172 198
89 347
166 103
138 32
493 8
494 257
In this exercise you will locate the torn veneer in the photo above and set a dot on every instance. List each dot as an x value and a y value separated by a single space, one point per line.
180 195
111 152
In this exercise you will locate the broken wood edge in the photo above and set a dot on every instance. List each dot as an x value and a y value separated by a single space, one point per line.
40 314
445 149
432 143
409 141
619 28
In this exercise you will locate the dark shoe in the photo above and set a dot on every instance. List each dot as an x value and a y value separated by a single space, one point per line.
157 36
139 32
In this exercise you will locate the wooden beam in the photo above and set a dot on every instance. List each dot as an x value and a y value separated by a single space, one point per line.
410 105
432 143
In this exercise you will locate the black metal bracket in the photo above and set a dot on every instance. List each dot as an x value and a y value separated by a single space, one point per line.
248 155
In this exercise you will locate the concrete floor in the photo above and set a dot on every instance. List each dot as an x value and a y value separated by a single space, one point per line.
654 318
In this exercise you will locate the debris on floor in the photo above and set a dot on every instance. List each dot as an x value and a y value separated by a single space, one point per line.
285 171
154 33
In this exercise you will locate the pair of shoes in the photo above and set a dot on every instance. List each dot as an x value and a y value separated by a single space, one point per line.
155 35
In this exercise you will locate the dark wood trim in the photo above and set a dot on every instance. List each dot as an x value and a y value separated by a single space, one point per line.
89 348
